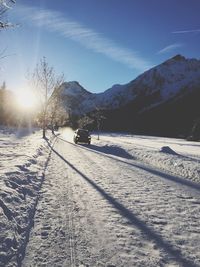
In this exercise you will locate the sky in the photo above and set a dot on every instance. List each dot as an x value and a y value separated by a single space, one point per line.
98 43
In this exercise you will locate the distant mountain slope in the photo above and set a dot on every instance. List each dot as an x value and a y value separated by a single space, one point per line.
72 95
169 92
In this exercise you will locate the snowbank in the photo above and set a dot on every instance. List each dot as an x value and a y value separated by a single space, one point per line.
174 163
175 156
23 155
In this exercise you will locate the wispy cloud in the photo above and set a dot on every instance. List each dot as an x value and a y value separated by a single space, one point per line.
170 48
187 31
87 37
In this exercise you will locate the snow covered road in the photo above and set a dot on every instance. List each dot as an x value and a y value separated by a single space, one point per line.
107 209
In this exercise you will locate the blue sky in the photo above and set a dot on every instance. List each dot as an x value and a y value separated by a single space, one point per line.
98 43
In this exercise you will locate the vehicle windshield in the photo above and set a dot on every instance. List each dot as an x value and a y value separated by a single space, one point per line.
83 132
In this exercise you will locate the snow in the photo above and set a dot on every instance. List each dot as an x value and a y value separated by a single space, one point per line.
125 200
72 88
176 156
22 158
173 78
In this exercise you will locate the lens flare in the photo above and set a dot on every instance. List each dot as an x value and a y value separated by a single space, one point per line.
26 99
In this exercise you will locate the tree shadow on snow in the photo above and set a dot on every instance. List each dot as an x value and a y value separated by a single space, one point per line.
133 219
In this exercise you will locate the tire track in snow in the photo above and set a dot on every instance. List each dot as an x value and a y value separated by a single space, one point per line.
71 226
111 214
107 210
49 239
152 181
90 232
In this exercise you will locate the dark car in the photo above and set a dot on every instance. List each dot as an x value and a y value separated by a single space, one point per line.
82 136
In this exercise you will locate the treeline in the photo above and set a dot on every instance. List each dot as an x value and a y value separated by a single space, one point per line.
11 114
8 112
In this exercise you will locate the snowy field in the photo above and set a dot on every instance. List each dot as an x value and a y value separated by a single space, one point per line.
177 156
122 201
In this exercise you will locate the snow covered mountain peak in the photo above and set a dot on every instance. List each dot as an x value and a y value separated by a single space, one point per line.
173 78
178 57
170 78
72 88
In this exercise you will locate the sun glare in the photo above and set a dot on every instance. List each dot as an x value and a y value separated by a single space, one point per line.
26 99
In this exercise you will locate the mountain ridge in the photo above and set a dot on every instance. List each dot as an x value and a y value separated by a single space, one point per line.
176 78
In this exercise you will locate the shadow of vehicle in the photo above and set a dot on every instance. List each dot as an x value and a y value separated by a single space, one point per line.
112 150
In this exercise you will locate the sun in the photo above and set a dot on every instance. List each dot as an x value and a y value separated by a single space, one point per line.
26 99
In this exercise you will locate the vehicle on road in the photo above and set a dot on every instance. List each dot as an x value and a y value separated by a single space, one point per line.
82 136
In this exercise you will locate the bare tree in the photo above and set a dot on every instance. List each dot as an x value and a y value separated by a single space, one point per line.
5 5
44 82
85 121
56 112
95 118
99 117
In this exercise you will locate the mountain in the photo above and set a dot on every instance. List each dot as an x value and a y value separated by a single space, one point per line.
72 95
163 100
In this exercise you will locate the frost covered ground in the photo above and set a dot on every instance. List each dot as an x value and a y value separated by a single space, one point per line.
23 155
123 201
177 156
